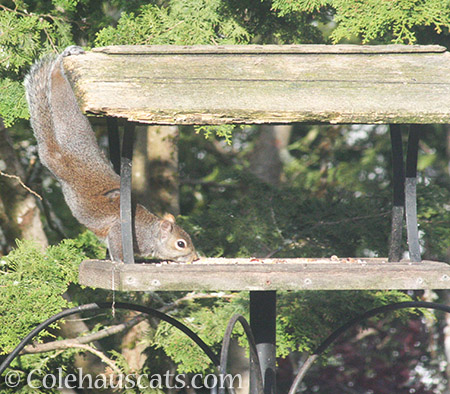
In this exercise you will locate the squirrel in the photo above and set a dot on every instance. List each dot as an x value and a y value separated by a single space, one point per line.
68 148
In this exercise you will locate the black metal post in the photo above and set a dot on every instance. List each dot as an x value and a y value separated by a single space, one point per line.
398 208
263 324
411 195
114 143
126 216
114 152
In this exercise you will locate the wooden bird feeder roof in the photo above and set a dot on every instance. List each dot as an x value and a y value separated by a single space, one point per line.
265 84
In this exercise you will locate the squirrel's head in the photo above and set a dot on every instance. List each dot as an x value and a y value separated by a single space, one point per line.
174 243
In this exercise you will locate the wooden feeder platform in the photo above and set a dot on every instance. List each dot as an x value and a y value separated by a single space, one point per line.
220 274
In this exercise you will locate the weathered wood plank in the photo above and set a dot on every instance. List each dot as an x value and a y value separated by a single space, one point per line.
259 84
266 274
265 49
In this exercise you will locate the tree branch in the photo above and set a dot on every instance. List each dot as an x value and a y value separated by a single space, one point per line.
79 342
352 219
75 342
21 183
110 363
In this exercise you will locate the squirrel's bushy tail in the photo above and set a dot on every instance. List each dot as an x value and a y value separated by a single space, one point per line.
66 143
37 89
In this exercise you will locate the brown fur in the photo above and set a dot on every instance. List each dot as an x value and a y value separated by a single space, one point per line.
68 148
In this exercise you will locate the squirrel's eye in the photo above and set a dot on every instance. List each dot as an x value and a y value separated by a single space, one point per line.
181 244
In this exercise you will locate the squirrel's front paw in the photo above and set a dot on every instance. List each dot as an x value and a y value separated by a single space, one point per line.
72 50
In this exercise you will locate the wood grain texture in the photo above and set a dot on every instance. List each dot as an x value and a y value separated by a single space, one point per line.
211 274
265 84
266 49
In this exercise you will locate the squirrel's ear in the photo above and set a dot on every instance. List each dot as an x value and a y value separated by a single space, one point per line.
166 229
169 217
112 194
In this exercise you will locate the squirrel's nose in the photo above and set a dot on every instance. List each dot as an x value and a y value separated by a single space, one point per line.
190 258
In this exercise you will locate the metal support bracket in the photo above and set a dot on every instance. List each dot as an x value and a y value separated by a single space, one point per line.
411 195
121 160
113 143
126 215
405 198
398 208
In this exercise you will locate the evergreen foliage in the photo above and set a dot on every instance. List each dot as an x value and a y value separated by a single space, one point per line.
394 21
333 177
374 21
30 276
26 35
209 321
184 22
223 131
13 105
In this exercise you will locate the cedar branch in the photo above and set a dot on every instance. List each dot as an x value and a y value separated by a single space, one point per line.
79 342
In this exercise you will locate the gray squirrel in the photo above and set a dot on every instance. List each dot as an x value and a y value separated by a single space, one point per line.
68 148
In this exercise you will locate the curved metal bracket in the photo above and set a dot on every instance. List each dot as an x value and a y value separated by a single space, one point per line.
109 305
255 368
